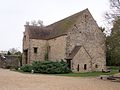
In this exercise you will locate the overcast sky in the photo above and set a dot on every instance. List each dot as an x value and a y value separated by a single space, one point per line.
15 13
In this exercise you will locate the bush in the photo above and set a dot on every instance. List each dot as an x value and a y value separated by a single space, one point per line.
48 67
14 67
26 68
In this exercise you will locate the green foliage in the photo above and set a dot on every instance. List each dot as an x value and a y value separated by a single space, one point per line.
89 74
18 53
26 68
113 67
113 45
50 67
47 67
8 53
113 70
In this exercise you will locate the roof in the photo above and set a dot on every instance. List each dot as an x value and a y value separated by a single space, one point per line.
54 30
36 32
74 52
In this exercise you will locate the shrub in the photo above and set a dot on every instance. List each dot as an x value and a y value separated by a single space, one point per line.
26 68
48 67
14 67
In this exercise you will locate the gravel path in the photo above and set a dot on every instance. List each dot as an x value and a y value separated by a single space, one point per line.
10 80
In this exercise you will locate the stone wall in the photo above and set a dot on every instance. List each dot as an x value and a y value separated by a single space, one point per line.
57 48
87 34
26 40
41 49
80 59
10 60
26 44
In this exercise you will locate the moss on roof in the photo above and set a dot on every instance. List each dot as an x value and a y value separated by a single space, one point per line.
56 29
64 25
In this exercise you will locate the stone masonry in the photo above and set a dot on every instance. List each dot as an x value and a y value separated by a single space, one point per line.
76 39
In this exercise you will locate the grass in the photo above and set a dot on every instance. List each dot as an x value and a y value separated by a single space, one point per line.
88 74
114 67
114 70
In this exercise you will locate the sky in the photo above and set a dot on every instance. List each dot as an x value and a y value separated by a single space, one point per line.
15 13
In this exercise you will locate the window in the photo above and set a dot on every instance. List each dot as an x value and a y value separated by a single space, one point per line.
96 66
78 67
25 37
86 16
85 66
35 49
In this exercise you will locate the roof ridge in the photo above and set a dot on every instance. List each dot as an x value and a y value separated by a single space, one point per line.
74 52
56 29
80 12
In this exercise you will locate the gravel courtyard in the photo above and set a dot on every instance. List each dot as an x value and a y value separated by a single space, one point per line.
10 80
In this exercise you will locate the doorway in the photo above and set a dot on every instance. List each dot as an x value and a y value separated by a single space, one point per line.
78 67
85 66
69 63
26 56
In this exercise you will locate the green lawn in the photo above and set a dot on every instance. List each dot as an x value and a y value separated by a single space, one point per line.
114 70
113 67
88 74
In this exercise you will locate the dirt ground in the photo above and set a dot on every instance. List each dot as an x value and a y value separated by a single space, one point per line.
10 80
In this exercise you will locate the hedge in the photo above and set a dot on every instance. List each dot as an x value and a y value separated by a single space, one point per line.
47 67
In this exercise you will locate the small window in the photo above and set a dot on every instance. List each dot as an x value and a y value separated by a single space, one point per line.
78 67
35 49
25 37
86 16
85 66
96 66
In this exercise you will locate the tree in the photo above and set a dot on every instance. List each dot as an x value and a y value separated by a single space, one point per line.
114 12
113 45
14 51
8 53
36 23
102 29
40 23
113 41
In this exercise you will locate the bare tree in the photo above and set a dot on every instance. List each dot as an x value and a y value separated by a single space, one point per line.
114 12
27 23
13 50
34 23
40 23
115 4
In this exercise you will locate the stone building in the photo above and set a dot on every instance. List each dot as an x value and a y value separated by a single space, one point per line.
77 39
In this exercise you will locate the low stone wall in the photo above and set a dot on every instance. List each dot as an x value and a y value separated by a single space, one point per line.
9 60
